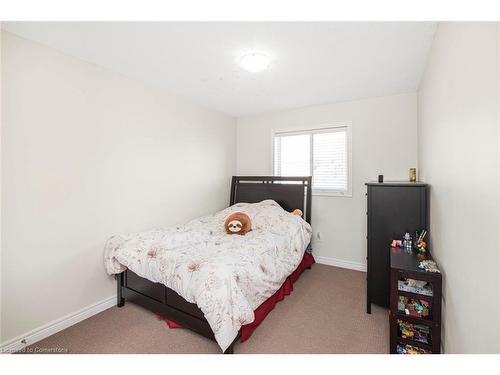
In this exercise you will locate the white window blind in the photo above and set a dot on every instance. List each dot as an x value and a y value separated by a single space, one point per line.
322 154
292 155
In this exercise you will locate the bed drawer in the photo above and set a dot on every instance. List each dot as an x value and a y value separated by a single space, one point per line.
144 286
177 302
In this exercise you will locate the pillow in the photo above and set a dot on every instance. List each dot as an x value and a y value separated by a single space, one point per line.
238 223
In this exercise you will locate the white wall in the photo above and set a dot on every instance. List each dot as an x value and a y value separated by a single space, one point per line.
1 332
383 142
458 129
87 153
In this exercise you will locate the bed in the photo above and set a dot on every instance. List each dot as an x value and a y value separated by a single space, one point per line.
223 312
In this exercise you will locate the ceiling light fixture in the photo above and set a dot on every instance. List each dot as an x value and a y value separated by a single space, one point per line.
254 62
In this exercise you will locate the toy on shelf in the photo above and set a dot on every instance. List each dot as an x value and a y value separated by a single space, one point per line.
410 349
396 243
414 307
421 244
415 286
429 266
415 332
407 241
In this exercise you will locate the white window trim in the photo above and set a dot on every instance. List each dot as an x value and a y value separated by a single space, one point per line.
317 129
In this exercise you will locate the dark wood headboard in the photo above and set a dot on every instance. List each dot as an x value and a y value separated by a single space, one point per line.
289 192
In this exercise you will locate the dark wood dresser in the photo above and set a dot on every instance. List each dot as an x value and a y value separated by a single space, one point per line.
415 312
393 208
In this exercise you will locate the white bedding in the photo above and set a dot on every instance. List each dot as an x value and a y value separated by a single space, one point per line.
227 276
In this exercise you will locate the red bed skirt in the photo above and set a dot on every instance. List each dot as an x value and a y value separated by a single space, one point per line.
285 289
268 305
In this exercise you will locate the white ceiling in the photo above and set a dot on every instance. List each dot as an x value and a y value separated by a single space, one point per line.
312 63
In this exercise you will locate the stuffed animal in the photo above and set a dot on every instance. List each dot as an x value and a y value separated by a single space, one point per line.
238 223
297 212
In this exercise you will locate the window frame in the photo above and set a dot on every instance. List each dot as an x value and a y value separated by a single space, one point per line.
320 129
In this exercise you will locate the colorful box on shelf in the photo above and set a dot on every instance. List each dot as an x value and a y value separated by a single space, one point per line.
414 307
429 266
415 332
415 286
410 349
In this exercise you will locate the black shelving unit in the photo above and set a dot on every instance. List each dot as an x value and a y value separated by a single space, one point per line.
404 265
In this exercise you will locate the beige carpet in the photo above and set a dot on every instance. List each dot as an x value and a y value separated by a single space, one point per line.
324 314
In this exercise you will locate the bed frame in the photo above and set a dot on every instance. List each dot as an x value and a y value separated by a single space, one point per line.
289 192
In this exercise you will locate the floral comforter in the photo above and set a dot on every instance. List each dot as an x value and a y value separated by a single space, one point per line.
227 276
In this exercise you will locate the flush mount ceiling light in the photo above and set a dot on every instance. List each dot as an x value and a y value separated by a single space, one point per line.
254 62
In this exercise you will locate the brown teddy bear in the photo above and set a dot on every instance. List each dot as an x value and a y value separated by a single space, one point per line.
238 223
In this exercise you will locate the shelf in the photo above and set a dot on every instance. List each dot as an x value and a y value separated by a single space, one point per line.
403 287
403 342
414 307
415 295
415 343
415 330
413 319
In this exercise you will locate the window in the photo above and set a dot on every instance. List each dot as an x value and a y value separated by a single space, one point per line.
322 153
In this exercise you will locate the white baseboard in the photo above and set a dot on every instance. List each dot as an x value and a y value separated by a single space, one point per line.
55 326
340 263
